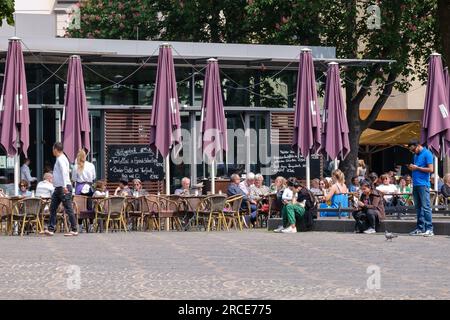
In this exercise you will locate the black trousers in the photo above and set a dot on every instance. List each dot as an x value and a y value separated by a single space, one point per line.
365 217
58 197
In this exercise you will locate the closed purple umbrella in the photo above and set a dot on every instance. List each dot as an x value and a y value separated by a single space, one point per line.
165 122
307 125
447 85
335 133
14 116
75 126
213 122
435 120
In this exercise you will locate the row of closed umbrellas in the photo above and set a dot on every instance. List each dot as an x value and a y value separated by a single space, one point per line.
311 134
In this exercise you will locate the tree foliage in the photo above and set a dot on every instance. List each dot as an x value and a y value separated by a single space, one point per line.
7 11
408 32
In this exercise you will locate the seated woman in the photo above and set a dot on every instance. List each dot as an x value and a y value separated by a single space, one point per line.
405 193
278 185
292 209
371 209
23 189
337 196
100 189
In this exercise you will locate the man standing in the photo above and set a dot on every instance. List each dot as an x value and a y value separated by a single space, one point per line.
63 191
421 169
25 172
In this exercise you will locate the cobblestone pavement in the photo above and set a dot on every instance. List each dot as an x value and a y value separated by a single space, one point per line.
252 264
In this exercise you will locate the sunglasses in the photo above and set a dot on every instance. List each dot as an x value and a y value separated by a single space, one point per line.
23 186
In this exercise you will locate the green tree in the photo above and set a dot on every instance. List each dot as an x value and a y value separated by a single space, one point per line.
115 19
7 11
407 34
204 20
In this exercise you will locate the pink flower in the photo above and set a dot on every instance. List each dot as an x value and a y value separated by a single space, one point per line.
98 18
121 25
121 6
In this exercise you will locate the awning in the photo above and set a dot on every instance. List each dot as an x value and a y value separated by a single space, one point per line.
400 135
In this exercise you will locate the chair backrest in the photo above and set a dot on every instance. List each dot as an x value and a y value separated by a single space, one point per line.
235 202
31 206
116 204
150 204
217 202
273 203
81 202
4 209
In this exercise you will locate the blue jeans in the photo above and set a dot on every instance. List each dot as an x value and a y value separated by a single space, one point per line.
421 196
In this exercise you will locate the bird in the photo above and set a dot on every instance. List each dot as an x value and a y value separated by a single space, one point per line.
389 235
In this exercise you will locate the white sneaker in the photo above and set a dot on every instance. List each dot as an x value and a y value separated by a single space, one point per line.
278 230
428 233
370 231
289 230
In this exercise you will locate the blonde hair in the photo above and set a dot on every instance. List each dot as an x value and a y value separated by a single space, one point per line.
81 159
361 163
339 175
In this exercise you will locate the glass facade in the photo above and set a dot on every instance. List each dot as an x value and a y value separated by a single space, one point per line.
119 85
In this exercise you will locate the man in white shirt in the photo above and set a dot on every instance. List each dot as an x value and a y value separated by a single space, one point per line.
25 172
45 188
63 191
247 183
387 189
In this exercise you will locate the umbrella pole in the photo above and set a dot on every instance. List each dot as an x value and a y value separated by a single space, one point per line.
308 173
436 177
213 177
335 164
167 171
17 166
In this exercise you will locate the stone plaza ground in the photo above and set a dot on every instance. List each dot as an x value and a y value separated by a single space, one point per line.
253 264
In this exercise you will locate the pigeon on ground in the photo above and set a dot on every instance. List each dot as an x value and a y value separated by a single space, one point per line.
389 235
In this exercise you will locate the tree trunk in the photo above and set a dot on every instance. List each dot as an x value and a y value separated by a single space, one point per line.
444 28
349 164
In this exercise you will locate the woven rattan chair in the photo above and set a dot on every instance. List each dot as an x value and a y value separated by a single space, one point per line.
26 212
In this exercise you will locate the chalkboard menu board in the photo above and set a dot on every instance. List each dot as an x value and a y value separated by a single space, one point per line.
134 162
289 164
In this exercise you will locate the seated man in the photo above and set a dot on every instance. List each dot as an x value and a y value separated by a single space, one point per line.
123 190
233 189
45 188
388 189
137 188
371 209
185 187
292 210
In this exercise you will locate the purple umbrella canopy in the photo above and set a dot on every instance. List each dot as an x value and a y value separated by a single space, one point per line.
213 122
165 123
307 125
435 121
447 85
75 126
14 116
335 134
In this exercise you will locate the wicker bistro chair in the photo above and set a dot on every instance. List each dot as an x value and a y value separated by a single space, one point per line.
27 212
111 211
80 206
150 213
232 211
4 215
171 210
211 210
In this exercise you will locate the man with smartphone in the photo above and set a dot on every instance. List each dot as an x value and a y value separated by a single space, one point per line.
421 170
